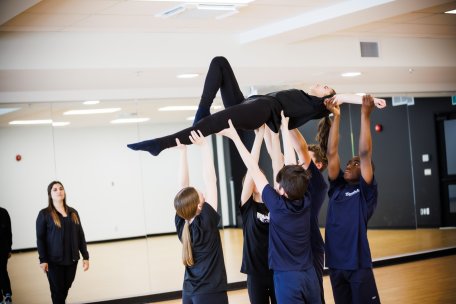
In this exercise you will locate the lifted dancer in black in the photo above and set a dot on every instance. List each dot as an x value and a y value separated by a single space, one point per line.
252 112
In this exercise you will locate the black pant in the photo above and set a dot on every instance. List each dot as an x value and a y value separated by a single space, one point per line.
261 289
246 114
60 279
318 262
5 284
221 76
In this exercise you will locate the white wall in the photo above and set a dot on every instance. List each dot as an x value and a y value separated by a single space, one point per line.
118 192
23 184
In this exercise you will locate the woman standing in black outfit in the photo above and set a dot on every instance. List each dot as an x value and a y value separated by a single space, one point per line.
250 113
60 238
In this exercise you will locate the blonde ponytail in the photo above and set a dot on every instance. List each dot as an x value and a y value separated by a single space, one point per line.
187 255
186 204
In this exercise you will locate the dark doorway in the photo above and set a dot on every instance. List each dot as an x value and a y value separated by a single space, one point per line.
446 129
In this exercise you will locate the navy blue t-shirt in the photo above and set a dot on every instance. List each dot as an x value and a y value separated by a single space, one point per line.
289 231
255 227
208 274
318 189
350 208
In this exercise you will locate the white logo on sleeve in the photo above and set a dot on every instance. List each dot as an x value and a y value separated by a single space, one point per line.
264 218
352 193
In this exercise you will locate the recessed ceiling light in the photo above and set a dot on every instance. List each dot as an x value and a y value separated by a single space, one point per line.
184 108
216 7
451 12
179 108
31 122
204 1
92 111
351 74
187 76
91 102
60 123
129 120
360 94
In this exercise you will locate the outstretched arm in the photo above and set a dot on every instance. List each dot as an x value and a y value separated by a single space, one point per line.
247 187
275 152
356 99
365 139
209 176
258 176
299 144
184 180
332 151
288 151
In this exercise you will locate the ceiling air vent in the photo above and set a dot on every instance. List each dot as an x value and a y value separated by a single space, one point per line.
171 12
369 49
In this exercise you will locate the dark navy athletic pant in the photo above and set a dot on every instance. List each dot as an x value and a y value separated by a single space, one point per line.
354 286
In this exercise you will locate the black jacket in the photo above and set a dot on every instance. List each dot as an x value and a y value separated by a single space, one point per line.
49 238
6 237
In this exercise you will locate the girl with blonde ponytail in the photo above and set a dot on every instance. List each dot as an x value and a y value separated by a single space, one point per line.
197 228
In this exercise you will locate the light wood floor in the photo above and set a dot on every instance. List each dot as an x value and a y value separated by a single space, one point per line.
150 266
426 282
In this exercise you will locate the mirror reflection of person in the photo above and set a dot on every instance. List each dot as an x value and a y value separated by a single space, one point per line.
6 241
352 201
196 221
252 112
60 238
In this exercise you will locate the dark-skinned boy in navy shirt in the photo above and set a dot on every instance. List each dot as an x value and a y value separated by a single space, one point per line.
352 201
290 257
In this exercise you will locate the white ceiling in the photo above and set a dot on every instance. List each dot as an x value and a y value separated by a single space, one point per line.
119 51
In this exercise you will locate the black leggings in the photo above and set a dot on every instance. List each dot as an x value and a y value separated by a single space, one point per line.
261 289
246 114
221 76
220 297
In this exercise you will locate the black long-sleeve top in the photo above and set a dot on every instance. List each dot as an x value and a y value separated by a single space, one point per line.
50 238
6 236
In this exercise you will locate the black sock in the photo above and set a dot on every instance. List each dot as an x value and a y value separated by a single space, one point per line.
152 146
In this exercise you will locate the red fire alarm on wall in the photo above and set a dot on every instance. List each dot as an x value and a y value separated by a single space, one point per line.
18 157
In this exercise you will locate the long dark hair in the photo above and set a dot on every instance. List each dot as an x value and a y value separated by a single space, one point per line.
324 125
51 209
